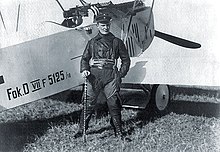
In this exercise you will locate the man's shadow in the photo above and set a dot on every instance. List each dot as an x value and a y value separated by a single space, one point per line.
137 73
15 135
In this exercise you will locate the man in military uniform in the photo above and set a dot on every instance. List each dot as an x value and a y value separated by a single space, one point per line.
99 65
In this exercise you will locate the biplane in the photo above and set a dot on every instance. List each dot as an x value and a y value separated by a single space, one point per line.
40 67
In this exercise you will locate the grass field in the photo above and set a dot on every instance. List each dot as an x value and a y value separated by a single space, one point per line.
172 132
38 110
196 93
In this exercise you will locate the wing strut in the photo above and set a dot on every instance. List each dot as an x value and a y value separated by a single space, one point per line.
18 15
149 18
60 5
3 21
130 19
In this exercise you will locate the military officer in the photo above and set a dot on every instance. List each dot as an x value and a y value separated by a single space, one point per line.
99 66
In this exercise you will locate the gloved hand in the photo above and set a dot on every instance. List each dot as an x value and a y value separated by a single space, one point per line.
85 73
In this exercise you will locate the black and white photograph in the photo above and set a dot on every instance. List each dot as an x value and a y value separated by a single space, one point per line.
109 76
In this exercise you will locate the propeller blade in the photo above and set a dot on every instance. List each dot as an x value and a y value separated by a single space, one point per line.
177 40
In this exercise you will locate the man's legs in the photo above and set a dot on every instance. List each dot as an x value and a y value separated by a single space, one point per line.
114 106
115 113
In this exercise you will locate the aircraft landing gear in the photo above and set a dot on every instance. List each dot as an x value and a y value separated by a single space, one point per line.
160 99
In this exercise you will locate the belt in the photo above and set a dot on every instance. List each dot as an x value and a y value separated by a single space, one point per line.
102 63
105 66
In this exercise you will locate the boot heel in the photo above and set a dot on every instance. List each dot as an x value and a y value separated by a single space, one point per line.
78 134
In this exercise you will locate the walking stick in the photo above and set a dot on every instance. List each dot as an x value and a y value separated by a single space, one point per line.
84 111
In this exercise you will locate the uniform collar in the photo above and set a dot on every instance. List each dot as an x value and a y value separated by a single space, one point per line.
108 36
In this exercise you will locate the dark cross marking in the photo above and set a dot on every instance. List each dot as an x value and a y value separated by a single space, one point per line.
2 79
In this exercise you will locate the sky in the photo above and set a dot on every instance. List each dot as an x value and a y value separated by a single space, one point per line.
196 20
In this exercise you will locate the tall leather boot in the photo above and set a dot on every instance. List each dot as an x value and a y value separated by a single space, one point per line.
89 113
117 125
113 126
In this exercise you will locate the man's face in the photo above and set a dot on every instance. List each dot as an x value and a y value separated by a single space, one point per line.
104 28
